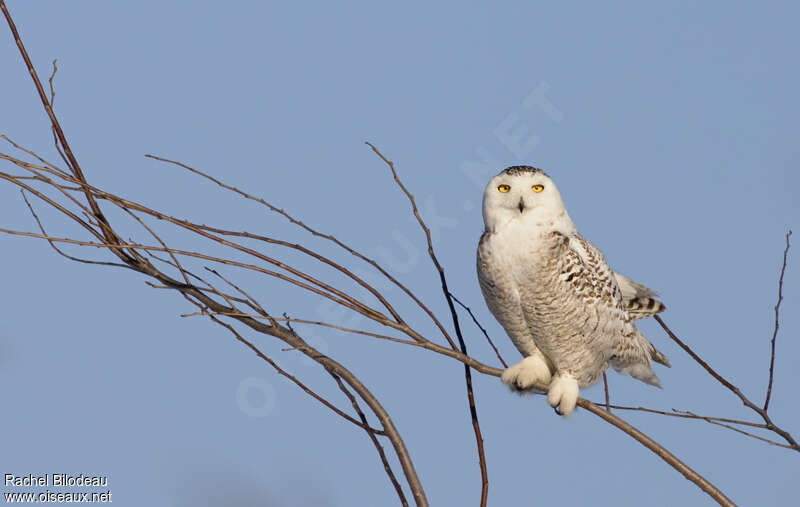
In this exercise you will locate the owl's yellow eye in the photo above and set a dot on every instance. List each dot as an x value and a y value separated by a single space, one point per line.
504 188
537 188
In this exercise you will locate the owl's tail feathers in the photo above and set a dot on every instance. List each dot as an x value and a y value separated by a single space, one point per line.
639 367
658 357
639 371
640 301
643 307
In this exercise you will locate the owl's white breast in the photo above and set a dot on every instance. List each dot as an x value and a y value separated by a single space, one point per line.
520 243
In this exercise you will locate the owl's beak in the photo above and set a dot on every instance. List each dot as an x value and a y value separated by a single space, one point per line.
521 205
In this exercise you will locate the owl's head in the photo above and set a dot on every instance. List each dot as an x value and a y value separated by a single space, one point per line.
527 194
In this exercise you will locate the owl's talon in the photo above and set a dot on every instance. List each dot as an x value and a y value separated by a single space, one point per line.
527 374
563 393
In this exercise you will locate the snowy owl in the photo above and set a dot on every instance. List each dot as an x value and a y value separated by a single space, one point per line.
554 294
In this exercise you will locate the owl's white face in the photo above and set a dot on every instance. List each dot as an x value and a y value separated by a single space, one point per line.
525 194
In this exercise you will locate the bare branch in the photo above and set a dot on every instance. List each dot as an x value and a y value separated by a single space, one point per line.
475 320
332 366
73 162
175 260
306 389
660 451
777 323
735 390
467 373
315 233
51 202
386 466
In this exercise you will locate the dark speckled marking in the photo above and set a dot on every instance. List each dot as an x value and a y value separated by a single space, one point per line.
520 169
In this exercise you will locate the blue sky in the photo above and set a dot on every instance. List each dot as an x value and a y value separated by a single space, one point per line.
670 131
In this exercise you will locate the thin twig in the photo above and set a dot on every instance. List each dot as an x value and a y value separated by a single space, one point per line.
51 202
58 250
52 88
685 414
133 246
289 320
475 320
777 324
735 390
467 373
208 288
250 301
33 154
719 421
175 260
746 433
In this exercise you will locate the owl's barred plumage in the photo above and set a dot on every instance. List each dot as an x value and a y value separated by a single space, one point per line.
554 293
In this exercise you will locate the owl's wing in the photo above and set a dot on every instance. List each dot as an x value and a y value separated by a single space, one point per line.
632 289
639 301
590 275
586 271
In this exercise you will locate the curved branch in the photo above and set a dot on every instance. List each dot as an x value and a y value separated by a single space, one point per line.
332 366
386 466
658 450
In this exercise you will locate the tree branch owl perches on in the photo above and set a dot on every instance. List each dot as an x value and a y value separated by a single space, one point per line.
67 190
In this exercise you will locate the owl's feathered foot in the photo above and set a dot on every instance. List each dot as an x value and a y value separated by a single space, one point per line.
526 374
563 393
